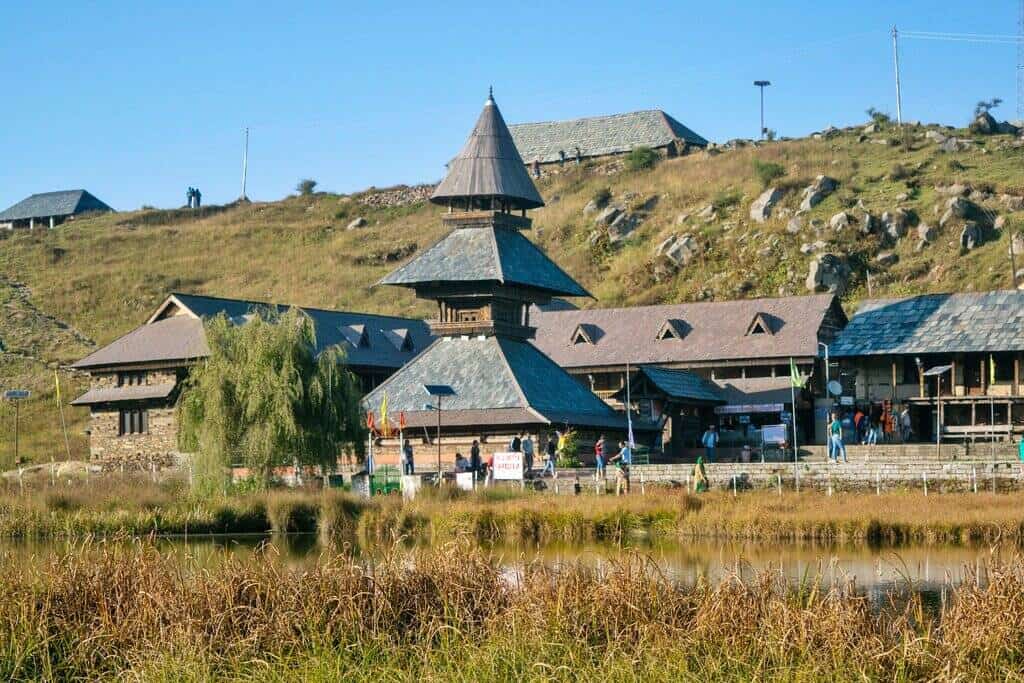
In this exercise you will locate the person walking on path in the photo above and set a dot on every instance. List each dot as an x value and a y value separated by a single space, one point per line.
835 429
407 462
623 460
710 442
527 446
550 455
599 457
474 459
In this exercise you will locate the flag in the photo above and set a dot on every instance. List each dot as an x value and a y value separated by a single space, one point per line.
384 415
56 380
401 421
369 423
794 376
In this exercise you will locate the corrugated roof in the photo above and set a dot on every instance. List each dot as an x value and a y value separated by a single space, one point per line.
118 394
489 166
935 323
60 203
681 384
599 135
182 337
493 378
715 331
478 254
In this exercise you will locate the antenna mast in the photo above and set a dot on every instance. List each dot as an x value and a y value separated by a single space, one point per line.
896 63
245 162
1020 63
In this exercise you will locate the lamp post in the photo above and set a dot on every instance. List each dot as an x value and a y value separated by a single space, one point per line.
762 85
15 396
823 345
438 391
938 371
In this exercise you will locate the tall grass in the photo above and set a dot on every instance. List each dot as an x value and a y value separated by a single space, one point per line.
454 613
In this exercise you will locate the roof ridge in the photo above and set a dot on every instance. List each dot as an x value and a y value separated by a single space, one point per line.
291 305
690 303
590 118
511 372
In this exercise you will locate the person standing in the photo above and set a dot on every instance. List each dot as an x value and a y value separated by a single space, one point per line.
905 430
623 460
835 429
474 459
859 427
527 445
599 457
198 196
710 442
700 476
407 462
189 196
550 455
516 444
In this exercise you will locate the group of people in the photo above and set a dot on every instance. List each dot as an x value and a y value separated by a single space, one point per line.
867 430
193 197
623 460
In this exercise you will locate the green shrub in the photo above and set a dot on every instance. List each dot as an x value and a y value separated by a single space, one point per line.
291 513
339 517
602 197
305 186
641 158
726 199
881 118
899 172
767 171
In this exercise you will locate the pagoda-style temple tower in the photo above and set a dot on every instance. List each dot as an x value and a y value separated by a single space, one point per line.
484 275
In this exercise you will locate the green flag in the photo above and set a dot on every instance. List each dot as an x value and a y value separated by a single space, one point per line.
794 375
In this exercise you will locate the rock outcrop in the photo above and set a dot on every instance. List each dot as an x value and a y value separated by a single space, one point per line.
828 273
761 209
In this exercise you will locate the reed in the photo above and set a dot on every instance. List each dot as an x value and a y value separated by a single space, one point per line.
104 611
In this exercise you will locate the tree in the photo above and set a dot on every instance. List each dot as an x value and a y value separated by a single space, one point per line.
641 158
985 106
305 186
264 398
879 117
768 171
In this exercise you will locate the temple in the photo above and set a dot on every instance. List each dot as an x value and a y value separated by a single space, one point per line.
485 275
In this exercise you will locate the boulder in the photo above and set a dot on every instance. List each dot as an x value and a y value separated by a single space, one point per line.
919 247
761 209
622 226
1012 202
935 136
679 251
591 207
868 224
840 220
707 212
961 208
984 124
956 145
947 216
895 223
902 197
1007 128
794 225
925 232
971 236
828 273
870 129
822 187
609 214
886 259
1016 247
954 190
682 218
999 223
806 248
359 222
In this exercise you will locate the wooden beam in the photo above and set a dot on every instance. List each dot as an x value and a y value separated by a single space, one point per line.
1016 374
893 392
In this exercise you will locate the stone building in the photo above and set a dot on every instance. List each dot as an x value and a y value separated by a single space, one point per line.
485 275
554 142
961 352
135 380
50 209
742 348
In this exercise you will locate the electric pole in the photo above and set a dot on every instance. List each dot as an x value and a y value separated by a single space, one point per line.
896 63
762 85
245 162
1020 63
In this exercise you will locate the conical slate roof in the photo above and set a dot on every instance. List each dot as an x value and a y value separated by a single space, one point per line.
486 253
496 382
489 166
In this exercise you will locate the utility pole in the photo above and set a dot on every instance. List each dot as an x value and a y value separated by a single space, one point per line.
1020 63
896 63
762 85
245 162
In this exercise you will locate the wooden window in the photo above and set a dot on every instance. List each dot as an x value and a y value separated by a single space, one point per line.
133 421
131 379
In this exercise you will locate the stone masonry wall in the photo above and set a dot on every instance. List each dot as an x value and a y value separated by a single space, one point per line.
134 451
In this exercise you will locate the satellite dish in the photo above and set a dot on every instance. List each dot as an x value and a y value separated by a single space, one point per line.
835 388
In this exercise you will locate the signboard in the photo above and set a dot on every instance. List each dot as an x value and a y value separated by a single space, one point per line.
16 394
744 419
786 416
846 400
508 466
464 480
737 409
774 434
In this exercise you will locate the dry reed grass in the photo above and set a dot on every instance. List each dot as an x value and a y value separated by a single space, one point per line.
453 613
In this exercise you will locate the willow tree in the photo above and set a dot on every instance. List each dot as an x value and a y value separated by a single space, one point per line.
264 397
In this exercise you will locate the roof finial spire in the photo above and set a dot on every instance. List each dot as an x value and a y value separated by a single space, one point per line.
490 95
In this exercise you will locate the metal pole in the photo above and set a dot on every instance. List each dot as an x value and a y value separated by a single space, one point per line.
245 161
828 444
991 426
762 112
938 415
17 460
896 62
439 440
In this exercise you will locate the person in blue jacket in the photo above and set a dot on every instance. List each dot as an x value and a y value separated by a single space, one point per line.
710 442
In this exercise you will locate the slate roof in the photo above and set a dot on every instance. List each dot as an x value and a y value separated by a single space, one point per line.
935 323
715 331
175 333
599 135
478 254
681 384
496 381
46 204
118 394
755 390
489 166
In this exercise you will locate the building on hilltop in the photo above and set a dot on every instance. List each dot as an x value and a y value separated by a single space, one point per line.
135 380
485 275
50 209
742 348
551 142
973 342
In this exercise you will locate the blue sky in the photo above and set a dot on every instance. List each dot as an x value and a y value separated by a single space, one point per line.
135 101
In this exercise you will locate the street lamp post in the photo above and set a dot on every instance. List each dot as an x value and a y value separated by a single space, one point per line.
762 85
827 378
437 392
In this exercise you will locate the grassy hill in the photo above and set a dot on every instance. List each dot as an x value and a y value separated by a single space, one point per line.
65 291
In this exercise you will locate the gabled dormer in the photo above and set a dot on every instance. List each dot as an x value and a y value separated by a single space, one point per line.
760 325
356 335
673 328
585 333
400 338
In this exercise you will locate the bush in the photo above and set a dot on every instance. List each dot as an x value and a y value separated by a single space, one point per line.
985 106
899 172
767 171
602 197
641 158
291 513
306 186
339 517
955 166
879 117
